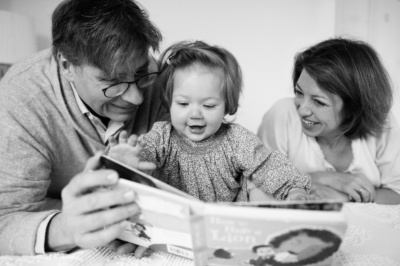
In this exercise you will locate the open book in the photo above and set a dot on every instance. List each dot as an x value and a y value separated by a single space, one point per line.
255 233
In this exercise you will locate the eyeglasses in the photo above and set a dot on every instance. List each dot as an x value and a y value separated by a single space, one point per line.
117 89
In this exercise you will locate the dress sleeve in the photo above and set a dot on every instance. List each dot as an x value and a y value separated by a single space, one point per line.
270 170
273 130
388 155
156 146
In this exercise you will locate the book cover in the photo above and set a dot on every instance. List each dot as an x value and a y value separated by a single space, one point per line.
253 233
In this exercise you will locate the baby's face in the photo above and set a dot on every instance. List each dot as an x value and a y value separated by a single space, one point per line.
198 106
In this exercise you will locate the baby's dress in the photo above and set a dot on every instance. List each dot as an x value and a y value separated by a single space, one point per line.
217 168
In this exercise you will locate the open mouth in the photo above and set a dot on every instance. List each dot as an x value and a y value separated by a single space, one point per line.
196 128
307 123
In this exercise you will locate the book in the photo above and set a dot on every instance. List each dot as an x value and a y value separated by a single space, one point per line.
230 233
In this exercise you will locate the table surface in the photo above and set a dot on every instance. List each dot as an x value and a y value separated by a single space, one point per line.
372 239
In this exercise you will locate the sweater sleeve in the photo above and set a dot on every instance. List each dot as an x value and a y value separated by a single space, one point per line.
388 156
270 170
24 174
273 130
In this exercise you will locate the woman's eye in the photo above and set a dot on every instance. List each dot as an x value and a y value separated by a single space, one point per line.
297 92
319 103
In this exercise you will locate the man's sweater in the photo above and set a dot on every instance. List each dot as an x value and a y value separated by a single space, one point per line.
45 141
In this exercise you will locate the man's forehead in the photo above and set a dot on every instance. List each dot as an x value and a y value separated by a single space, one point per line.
127 69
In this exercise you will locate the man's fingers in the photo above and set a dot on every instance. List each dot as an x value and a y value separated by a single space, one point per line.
100 237
104 218
100 199
140 252
87 181
126 248
94 162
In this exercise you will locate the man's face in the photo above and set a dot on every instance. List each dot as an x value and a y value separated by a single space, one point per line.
89 82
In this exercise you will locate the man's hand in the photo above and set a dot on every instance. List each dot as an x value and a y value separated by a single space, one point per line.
92 215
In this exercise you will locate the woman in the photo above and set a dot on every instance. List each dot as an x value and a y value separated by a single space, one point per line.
338 128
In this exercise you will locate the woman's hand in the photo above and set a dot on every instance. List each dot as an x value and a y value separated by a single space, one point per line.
127 150
356 187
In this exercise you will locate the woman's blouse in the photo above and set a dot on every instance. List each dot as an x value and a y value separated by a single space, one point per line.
217 169
377 158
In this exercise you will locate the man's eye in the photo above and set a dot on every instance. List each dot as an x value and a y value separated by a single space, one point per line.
141 73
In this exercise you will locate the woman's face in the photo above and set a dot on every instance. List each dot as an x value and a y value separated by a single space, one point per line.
318 110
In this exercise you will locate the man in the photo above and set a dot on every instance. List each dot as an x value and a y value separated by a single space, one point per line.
58 109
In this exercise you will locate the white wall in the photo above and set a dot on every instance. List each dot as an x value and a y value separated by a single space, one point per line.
264 35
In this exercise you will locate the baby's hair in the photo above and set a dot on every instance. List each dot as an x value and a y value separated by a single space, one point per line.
186 54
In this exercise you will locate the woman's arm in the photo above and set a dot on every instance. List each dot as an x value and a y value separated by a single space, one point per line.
387 196
353 186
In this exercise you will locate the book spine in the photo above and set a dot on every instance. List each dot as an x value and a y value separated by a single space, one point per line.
199 240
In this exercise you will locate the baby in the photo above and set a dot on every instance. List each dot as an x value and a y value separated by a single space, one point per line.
199 151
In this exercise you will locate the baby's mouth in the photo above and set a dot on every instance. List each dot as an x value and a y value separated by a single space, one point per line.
196 128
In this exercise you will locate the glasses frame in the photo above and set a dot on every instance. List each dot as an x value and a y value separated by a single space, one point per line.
129 83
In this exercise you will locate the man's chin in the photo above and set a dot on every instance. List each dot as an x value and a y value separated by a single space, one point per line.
120 117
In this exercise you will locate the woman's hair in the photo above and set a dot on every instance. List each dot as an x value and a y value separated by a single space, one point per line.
186 54
106 34
352 70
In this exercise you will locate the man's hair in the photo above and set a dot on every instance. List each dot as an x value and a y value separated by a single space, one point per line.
187 54
352 70
106 34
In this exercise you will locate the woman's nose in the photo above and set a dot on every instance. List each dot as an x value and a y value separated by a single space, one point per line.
133 95
303 108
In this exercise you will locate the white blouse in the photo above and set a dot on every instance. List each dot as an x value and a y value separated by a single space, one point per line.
377 158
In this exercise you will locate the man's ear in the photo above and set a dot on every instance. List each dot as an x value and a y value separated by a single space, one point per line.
66 68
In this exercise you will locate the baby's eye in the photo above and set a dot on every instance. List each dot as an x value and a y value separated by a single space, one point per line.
182 103
209 106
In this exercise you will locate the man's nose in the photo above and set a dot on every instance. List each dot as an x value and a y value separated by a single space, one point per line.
133 95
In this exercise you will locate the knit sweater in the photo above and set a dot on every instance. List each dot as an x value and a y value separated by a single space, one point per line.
45 141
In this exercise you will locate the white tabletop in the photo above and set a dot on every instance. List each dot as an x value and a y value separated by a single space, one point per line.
372 239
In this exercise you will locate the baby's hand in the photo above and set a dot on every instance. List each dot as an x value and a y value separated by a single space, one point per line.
127 150
300 194
256 194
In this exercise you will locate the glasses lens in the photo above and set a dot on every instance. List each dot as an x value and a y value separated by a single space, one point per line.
116 90
147 80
